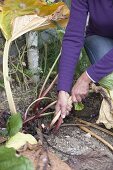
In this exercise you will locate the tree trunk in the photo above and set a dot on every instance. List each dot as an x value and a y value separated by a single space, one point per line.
33 54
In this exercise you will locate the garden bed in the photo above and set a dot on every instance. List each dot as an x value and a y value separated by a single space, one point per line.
77 148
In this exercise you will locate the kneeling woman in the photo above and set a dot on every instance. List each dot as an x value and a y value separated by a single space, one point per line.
97 38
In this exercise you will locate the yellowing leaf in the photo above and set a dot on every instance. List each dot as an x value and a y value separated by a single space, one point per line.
5 23
106 111
51 24
26 23
20 5
19 140
13 9
23 24
0 8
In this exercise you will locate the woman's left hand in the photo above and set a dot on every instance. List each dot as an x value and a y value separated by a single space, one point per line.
81 88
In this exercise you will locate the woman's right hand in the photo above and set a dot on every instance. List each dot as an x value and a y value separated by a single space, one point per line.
64 103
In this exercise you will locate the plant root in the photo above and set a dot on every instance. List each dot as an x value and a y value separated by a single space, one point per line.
97 137
94 126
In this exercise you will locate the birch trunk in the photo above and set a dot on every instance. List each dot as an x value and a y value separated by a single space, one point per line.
33 54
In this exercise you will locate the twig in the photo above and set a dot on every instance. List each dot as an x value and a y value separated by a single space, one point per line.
94 126
72 124
97 137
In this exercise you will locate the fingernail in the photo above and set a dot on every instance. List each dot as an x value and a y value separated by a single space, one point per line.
63 116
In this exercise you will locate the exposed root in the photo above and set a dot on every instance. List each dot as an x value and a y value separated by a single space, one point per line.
97 137
95 126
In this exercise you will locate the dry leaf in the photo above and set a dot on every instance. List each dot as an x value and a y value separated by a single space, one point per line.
106 114
26 23
44 159
106 109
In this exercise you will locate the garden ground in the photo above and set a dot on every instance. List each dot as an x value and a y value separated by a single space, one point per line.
78 149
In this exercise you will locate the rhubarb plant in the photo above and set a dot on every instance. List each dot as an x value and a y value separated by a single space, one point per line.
18 17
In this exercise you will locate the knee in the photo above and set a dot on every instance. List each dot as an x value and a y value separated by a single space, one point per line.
97 46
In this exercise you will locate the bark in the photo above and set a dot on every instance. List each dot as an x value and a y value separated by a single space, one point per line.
33 54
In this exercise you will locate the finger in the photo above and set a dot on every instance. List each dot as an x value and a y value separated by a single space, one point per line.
70 101
63 111
79 98
69 108
69 105
83 96
74 98
67 95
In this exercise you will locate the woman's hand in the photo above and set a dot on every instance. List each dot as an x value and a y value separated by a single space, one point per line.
79 92
81 88
64 103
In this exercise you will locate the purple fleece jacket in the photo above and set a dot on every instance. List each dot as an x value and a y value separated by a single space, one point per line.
100 23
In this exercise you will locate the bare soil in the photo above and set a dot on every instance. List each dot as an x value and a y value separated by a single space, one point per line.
80 150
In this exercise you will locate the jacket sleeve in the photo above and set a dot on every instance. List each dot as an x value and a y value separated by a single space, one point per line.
102 68
73 42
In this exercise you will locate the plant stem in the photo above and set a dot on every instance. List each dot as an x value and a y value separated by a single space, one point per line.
50 87
45 93
49 74
25 115
38 114
6 78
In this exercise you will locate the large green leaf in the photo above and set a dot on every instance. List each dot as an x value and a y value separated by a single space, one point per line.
9 160
14 124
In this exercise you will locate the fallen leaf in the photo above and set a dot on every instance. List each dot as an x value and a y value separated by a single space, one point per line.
19 140
44 159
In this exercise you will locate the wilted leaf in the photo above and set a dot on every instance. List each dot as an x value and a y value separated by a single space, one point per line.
9 160
78 106
26 23
19 140
106 109
46 159
16 8
106 114
14 124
